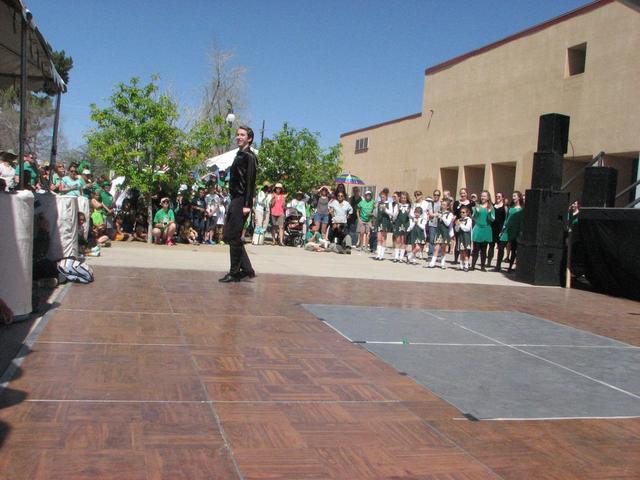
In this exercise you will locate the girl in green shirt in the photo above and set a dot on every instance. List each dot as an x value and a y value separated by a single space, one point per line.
511 230
482 234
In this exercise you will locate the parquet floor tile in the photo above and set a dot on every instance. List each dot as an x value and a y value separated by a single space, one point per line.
160 374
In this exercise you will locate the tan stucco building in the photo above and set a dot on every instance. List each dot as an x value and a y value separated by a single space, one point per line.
479 121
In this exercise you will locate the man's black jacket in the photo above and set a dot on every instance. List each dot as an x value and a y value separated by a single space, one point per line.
243 177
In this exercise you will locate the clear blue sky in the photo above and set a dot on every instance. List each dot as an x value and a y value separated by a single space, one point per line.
330 66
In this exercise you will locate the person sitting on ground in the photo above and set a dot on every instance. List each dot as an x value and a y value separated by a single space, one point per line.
119 234
188 234
313 240
140 228
164 224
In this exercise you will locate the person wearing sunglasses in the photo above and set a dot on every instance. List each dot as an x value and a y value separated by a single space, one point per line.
72 184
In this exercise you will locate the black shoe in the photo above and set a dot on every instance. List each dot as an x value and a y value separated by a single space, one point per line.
228 278
242 275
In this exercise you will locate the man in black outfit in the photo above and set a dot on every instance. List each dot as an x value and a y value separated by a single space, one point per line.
242 186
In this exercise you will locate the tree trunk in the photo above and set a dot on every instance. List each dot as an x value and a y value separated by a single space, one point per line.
150 217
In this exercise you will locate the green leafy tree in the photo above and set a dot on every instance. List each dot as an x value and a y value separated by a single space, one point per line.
295 158
63 64
136 136
208 138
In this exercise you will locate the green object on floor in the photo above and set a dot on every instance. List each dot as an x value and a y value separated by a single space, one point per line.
405 341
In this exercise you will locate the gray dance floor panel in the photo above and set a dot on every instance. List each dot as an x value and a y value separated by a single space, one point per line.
499 364
520 328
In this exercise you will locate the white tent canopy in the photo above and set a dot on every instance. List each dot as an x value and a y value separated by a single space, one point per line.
225 160
42 75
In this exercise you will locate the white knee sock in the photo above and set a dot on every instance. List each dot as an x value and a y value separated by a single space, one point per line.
382 250
432 263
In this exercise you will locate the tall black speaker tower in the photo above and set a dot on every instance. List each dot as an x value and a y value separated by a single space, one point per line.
541 252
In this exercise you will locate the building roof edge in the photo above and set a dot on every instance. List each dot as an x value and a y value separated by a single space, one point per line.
378 125
529 31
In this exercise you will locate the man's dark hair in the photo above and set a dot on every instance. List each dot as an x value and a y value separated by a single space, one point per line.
249 131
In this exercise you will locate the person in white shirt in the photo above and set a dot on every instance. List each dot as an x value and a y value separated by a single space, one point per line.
340 209
7 171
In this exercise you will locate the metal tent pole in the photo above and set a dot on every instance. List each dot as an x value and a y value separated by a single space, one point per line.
23 97
54 140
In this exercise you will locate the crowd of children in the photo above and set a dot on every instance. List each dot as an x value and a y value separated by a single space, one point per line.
469 228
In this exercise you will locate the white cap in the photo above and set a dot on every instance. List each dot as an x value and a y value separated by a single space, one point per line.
368 192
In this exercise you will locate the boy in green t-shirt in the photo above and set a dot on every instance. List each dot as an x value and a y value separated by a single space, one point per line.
364 212
164 224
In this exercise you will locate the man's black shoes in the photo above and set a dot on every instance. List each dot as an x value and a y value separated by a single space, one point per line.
228 278
243 274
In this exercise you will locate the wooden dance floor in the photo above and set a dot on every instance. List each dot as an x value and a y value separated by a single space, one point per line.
164 374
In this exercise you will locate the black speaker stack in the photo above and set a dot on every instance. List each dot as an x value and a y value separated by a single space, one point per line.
600 185
541 252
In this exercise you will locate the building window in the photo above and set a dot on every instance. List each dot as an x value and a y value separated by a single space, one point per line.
362 144
576 58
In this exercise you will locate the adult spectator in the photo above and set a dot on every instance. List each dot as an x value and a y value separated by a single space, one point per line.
56 177
261 210
87 177
164 224
500 213
352 220
321 215
340 209
7 170
72 184
364 214
29 164
432 222
299 202
198 213
278 201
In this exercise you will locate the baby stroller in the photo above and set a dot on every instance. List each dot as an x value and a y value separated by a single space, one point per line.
293 228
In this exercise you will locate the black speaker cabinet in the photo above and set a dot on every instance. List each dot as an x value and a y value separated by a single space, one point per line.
547 170
545 214
540 265
600 185
553 133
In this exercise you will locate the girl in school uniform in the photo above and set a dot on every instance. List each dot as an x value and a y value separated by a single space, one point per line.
511 230
384 225
401 222
481 234
417 237
463 236
444 234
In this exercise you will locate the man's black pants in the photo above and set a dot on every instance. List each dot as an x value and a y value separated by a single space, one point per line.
233 224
